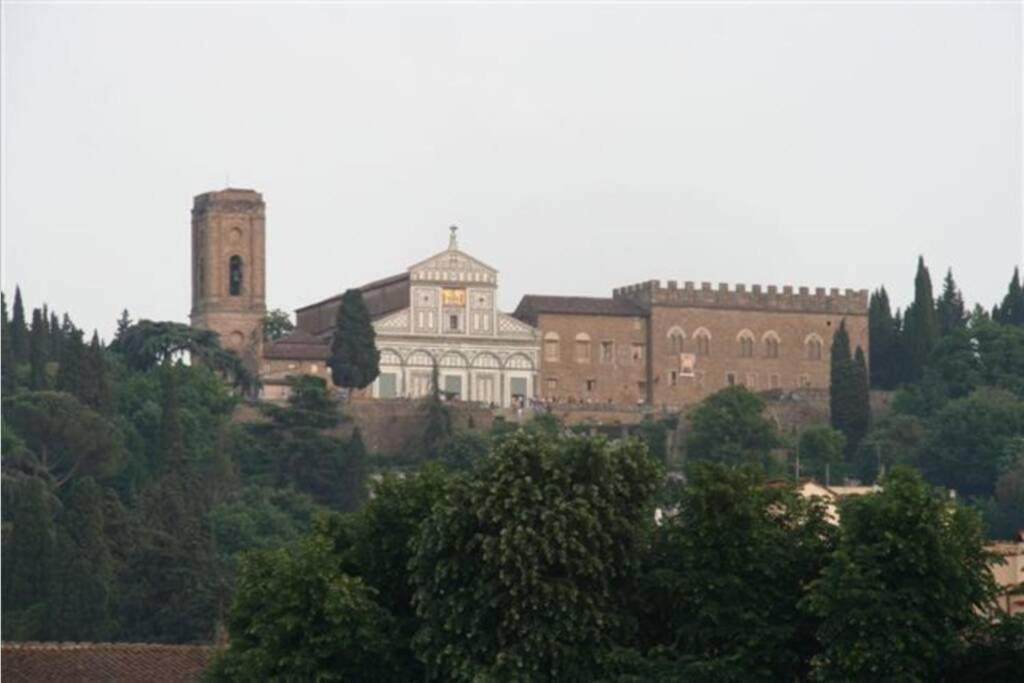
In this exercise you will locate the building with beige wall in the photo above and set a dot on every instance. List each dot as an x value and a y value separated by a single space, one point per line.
670 345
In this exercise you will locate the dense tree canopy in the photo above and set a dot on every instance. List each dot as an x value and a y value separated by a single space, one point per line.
729 427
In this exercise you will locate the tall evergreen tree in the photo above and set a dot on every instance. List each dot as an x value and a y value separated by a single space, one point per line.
85 573
950 312
123 323
8 373
353 481
56 338
848 390
355 360
19 331
884 335
921 329
28 562
37 351
72 373
1012 309
97 384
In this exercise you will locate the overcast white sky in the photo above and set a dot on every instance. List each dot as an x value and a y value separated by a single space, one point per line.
578 147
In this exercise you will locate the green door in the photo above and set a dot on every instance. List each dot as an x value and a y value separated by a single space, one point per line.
387 385
453 386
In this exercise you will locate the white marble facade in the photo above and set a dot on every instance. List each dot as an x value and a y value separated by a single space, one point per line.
481 353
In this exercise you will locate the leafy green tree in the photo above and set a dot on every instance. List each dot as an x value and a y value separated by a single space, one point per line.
19 330
967 441
37 351
28 564
884 335
994 652
895 440
66 438
522 571
729 427
920 326
309 404
276 324
821 452
910 573
438 418
353 491
950 312
297 616
85 572
720 601
463 450
355 360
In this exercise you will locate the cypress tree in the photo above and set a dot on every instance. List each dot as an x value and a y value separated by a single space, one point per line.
19 331
71 375
37 351
950 313
884 334
85 572
355 360
56 338
920 326
8 374
97 386
123 323
848 390
28 561
860 414
353 481
1012 310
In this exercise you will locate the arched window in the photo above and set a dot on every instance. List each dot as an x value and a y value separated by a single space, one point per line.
703 340
746 340
812 346
235 276
551 346
675 340
582 347
771 345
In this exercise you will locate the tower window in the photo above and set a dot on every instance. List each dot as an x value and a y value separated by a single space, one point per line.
235 276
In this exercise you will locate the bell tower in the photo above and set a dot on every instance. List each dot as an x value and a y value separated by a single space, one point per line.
229 269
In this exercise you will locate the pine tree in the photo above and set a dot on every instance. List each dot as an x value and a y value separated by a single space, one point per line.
85 573
884 334
920 326
8 374
37 352
355 360
19 331
950 312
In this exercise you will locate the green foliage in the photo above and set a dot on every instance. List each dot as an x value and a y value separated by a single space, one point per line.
65 437
968 438
276 324
29 561
19 330
462 450
438 418
920 326
309 404
1012 310
895 440
950 312
8 369
849 400
296 616
729 427
908 575
884 335
37 351
821 451
720 599
994 652
522 568
355 360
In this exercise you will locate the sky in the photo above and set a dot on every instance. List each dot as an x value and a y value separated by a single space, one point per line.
579 147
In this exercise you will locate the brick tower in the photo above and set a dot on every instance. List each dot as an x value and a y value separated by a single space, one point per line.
229 269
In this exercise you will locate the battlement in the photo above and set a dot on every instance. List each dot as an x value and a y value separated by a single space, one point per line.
230 199
771 298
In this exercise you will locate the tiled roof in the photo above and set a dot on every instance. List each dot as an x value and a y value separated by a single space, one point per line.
298 345
88 662
532 305
377 306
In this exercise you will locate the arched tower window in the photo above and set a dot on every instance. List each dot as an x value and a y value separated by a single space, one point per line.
235 276
746 340
703 339
813 345
675 340
551 346
771 345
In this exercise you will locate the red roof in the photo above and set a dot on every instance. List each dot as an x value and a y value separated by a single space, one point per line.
87 662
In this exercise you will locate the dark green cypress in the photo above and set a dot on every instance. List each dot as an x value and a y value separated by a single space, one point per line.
1011 311
56 338
353 480
843 384
85 573
172 437
950 312
8 372
19 331
37 352
884 335
97 385
860 412
920 326
355 360
71 375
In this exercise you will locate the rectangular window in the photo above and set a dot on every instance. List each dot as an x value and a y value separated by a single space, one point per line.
591 384
607 352
551 349
453 323
638 352
582 351
551 386
673 379
517 387
730 379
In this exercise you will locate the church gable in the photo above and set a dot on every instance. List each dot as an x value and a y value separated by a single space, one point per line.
453 265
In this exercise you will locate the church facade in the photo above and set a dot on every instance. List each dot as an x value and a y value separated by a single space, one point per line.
646 344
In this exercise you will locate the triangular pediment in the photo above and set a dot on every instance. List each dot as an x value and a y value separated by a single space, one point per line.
453 265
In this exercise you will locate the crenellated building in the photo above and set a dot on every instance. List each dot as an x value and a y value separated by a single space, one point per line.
671 345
